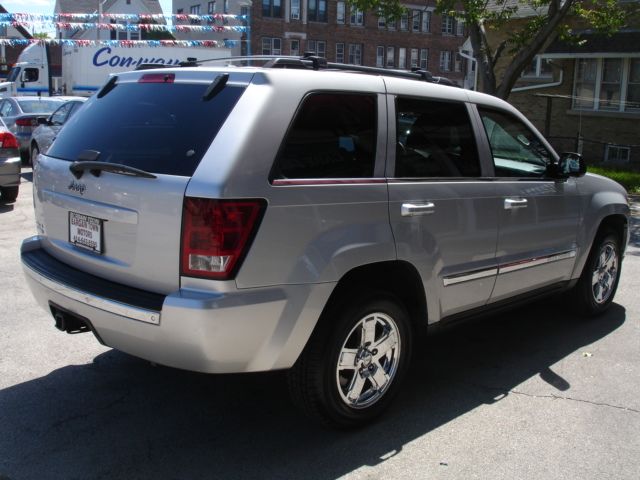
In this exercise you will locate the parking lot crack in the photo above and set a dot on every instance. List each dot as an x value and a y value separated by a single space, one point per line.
506 391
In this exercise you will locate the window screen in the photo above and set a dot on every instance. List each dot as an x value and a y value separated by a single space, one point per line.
332 136
434 139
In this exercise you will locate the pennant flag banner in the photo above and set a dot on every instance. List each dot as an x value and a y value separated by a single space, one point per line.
132 27
97 18
124 43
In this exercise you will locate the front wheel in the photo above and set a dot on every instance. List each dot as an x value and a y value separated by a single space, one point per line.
353 365
598 283
35 151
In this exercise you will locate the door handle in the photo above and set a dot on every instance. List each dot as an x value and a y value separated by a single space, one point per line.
414 209
513 203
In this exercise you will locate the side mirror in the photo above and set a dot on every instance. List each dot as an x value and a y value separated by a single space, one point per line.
570 164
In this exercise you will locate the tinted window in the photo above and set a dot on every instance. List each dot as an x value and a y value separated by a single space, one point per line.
58 117
157 127
434 139
516 150
333 136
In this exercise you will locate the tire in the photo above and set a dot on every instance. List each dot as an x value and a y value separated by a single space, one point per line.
35 151
354 363
9 194
598 283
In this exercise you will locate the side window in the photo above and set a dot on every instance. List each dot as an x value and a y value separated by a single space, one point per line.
58 117
434 139
31 75
6 109
332 136
516 150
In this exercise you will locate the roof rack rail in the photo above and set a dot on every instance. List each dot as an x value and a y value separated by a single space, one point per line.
311 61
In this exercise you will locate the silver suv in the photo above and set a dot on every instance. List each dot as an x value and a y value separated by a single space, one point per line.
242 219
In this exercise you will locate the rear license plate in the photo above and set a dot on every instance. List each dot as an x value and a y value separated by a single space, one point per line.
85 232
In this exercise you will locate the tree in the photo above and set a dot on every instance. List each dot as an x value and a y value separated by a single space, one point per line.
540 22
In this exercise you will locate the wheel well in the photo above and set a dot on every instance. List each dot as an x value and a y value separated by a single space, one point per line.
616 224
400 279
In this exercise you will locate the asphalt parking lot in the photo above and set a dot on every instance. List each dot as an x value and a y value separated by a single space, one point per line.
533 394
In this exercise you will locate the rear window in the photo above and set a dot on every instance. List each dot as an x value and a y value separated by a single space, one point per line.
157 127
39 106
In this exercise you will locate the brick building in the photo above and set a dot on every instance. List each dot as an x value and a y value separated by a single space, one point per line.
339 32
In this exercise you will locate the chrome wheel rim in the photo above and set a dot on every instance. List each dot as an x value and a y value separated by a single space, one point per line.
605 273
368 360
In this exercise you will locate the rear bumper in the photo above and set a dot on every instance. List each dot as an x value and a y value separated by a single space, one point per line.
245 330
9 171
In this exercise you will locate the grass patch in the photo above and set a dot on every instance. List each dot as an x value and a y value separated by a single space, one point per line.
629 180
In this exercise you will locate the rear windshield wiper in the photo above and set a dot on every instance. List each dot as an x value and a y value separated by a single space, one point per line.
79 167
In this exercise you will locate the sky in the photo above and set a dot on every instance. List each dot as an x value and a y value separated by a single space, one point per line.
46 6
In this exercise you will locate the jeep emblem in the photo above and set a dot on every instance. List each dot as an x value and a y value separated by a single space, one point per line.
77 187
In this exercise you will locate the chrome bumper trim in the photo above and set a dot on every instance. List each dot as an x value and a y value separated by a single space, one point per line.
467 277
117 308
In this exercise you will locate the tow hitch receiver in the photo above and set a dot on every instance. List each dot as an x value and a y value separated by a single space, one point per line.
69 322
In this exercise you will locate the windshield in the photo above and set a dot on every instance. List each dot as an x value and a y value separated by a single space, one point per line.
13 74
39 105
159 128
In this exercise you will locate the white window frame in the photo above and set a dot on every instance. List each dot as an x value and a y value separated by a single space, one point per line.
610 147
340 12
416 20
390 61
404 22
424 58
402 58
426 21
340 52
459 27
447 24
357 17
272 42
415 58
445 60
380 56
624 85
295 10
382 21
296 51
355 53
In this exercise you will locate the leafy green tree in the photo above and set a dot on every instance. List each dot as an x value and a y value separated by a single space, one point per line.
539 23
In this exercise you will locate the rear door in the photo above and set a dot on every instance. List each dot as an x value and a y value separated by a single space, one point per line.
538 215
441 206
125 227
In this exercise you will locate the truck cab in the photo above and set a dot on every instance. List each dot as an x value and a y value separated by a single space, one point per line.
30 75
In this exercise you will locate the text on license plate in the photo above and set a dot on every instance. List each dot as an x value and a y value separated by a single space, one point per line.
85 231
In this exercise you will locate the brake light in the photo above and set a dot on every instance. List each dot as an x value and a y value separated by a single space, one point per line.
27 122
8 140
216 235
157 78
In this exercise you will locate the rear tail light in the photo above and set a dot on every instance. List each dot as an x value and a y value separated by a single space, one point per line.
8 140
216 235
27 122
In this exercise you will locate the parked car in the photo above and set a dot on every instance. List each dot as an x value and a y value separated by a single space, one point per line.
48 128
242 219
20 115
9 165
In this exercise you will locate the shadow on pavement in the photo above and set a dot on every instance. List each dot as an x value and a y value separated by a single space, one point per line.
5 207
27 175
119 417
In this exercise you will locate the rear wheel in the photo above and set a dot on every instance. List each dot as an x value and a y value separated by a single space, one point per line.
353 365
9 194
599 280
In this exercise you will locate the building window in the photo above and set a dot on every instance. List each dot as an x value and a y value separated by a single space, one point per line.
194 9
415 20
271 46
617 154
414 58
355 53
447 24
318 47
404 21
426 22
126 34
225 6
380 56
272 8
457 67
180 11
317 11
402 57
295 48
340 52
211 8
445 61
607 84
390 57
340 14
538 68
295 9
424 58
357 17
382 21
460 27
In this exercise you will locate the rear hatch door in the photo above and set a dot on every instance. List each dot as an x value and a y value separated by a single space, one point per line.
120 218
